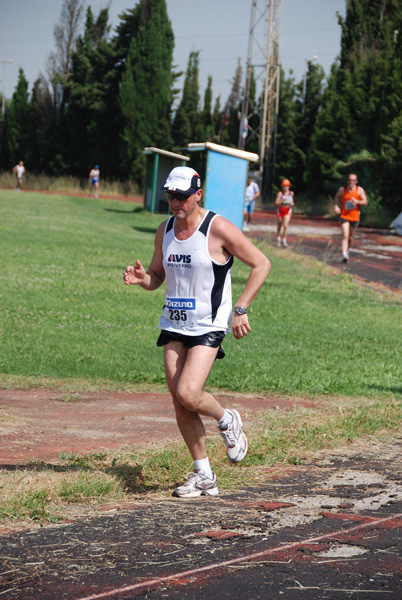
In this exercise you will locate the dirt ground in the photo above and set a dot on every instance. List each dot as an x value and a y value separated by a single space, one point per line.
375 256
40 424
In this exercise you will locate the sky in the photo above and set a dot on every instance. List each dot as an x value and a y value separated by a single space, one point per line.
219 29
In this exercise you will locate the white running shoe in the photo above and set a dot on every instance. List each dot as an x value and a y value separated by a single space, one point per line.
235 440
345 258
278 242
197 484
246 227
284 243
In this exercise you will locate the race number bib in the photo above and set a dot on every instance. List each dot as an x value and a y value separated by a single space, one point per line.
350 205
181 311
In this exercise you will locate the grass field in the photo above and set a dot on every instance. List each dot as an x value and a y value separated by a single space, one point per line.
68 321
65 313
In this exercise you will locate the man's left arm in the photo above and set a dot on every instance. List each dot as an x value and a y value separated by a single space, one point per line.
363 198
241 248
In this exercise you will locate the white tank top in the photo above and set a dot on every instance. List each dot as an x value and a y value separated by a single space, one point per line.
199 291
286 198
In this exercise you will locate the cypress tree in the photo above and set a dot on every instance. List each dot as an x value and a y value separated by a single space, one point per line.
187 119
255 117
205 129
91 120
287 152
145 93
362 102
18 128
230 117
309 93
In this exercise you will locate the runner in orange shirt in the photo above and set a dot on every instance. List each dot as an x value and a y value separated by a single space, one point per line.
351 198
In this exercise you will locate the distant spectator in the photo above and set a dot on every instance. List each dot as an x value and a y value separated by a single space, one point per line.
19 171
284 202
94 178
351 197
252 193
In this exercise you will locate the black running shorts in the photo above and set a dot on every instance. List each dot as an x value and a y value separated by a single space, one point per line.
212 339
353 224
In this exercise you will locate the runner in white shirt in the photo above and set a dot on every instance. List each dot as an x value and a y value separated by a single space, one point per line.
252 193
94 178
19 170
194 252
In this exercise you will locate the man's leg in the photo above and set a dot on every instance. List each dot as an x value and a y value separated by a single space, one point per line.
286 221
187 379
278 230
186 373
345 240
250 212
246 218
351 234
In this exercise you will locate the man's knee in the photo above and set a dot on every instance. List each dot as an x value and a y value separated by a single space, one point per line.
188 396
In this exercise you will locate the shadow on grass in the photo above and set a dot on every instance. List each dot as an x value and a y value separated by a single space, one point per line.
130 476
395 389
136 209
145 229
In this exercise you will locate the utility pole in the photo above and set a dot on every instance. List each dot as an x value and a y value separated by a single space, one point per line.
3 97
259 115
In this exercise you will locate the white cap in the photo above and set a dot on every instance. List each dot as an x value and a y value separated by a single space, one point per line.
183 180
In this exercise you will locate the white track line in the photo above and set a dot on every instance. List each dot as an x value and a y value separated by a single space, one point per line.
161 580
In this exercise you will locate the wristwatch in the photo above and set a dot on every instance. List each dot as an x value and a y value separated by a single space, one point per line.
240 310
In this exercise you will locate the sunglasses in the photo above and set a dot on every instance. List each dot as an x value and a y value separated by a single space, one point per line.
181 197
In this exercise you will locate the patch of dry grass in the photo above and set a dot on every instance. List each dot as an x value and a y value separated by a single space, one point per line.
67 183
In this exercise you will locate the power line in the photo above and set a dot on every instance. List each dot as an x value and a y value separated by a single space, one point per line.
182 37
242 34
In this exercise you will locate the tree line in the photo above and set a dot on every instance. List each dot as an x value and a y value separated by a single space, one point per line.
107 95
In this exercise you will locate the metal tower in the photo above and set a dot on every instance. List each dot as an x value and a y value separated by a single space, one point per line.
259 115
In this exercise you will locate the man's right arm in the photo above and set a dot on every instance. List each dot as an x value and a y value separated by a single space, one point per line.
337 199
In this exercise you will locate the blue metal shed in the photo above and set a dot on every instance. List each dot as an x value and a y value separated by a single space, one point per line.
223 173
159 164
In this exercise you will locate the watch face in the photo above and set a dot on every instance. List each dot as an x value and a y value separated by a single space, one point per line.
240 310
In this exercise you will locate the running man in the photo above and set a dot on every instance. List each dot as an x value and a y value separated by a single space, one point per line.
194 252
284 202
252 193
94 178
351 197
19 171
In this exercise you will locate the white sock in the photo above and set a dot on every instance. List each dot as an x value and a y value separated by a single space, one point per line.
204 465
226 420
